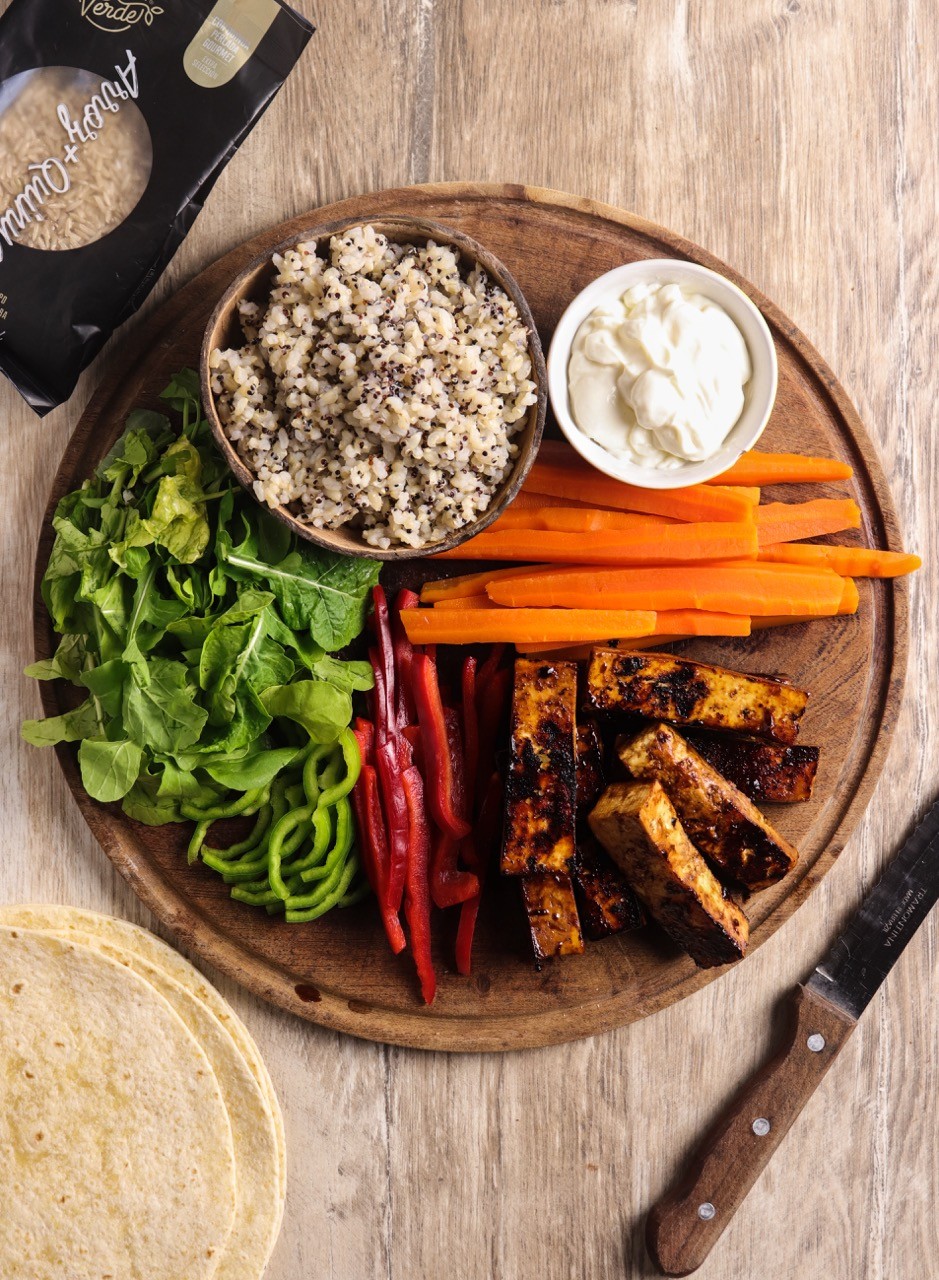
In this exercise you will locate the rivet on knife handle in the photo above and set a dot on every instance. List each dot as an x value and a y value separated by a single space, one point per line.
686 1223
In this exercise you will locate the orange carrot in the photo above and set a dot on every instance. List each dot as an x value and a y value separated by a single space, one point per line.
782 468
562 652
850 600
494 626
466 602
756 589
525 501
850 597
701 622
576 520
750 492
661 544
471 584
858 562
790 521
695 502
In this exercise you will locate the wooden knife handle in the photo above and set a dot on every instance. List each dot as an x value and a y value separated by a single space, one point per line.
687 1222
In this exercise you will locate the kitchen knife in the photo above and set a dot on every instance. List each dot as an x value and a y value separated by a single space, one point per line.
686 1223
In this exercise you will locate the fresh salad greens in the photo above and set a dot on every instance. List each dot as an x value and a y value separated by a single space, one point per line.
200 634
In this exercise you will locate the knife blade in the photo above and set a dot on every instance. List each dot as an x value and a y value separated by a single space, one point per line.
686 1223
852 972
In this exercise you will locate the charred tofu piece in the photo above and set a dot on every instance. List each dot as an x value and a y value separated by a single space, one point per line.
607 904
637 825
590 777
727 827
660 686
552 916
541 786
763 771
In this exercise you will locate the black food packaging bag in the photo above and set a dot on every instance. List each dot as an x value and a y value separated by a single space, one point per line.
116 119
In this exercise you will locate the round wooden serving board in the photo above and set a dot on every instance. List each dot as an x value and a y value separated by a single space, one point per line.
338 971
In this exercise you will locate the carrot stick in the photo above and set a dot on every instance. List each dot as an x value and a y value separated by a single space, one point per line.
552 648
526 501
756 589
782 468
576 520
790 521
856 562
663 544
750 492
471 584
489 626
695 502
467 602
578 652
701 622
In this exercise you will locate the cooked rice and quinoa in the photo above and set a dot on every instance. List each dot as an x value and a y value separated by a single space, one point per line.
380 387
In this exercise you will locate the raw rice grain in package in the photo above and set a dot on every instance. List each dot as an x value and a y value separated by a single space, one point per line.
116 119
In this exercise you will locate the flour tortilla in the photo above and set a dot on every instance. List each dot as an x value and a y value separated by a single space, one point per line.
257 1126
116 1154
122 937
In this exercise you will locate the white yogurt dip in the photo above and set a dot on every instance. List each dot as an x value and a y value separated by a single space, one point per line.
658 376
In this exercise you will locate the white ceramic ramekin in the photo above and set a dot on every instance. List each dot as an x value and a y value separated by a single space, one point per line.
759 393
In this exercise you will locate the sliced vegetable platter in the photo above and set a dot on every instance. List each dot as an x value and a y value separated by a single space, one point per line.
337 970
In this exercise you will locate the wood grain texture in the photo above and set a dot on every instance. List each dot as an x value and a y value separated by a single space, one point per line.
796 139
339 971
684 1226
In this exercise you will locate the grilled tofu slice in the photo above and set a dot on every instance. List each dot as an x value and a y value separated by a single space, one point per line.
763 771
637 825
590 776
552 916
607 904
727 827
661 686
541 786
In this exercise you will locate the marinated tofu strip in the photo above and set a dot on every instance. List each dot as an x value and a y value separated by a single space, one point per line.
727 827
637 825
552 916
763 771
541 785
661 686
607 903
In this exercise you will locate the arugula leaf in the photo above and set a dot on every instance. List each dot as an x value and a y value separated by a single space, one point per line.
198 627
235 654
350 676
324 594
178 521
66 663
320 707
253 771
71 726
109 769
159 709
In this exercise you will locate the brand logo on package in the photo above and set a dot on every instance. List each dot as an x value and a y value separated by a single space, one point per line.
119 15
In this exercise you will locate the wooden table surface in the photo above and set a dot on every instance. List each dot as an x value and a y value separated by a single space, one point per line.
797 140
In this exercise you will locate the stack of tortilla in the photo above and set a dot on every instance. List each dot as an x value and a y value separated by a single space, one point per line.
140 1135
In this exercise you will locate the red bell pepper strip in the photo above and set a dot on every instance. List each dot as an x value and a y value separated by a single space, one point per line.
437 759
487 831
448 885
470 734
386 721
412 735
403 653
374 837
490 666
389 766
491 704
417 887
